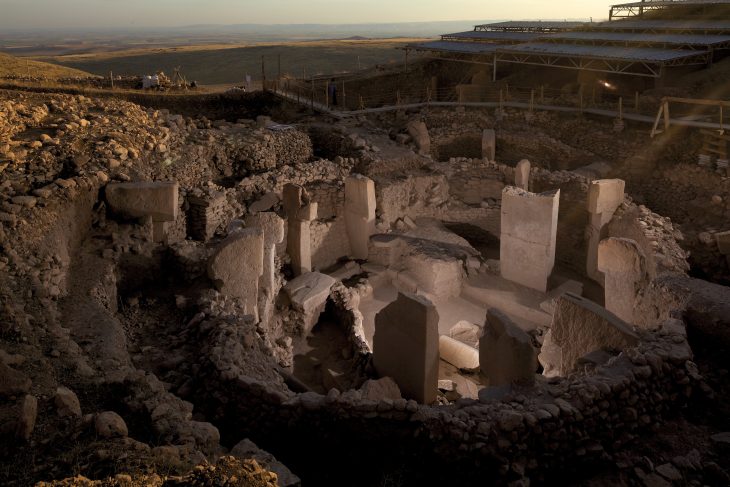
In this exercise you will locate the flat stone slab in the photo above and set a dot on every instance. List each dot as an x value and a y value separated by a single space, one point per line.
309 291
158 200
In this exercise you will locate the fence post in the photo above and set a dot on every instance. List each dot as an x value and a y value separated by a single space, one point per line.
620 108
362 103
532 100
542 94
344 96
397 98
312 95
636 101
111 79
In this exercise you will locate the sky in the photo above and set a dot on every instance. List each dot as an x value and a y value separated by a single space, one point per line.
21 14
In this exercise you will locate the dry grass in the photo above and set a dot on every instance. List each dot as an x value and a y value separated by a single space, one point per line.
229 63
13 66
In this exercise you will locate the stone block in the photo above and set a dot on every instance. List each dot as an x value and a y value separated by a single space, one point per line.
458 354
489 145
158 200
580 327
522 174
308 294
467 333
623 265
236 266
605 195
406 346
308 212
506 354
528 236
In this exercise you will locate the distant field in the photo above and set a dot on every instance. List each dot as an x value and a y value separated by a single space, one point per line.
13 66
222 64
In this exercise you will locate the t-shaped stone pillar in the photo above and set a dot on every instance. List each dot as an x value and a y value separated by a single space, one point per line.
273 228
528 236
299 212
623 265
406 346
237 265
359 213
604 198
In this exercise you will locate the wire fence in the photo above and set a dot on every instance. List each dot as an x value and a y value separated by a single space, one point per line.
359 93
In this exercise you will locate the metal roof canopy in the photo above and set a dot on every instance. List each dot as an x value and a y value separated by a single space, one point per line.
496 36
637 9
672 41
530 26
634 61
458 47
662 26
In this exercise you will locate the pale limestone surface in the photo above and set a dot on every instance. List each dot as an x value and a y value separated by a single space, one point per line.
604 198
458 354
623 265
158 200
579 327
506 354
406 346
528 236
236 266
359 213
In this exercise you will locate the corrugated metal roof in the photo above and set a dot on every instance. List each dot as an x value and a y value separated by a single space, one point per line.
632 24
671 3
460 47
602 52
677 39
532 24
493 36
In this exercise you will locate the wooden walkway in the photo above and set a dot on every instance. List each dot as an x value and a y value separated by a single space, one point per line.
635 117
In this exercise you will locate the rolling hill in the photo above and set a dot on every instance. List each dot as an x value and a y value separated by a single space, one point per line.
13 66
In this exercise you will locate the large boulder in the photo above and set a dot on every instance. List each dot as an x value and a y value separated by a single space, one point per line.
110 425
67 403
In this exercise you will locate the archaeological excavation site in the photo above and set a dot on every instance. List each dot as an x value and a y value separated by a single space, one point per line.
478 284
